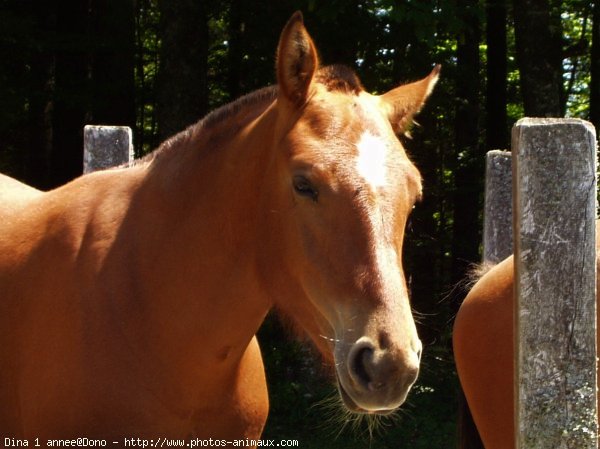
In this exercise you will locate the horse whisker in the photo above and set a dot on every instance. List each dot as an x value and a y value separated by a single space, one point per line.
340 419
332 340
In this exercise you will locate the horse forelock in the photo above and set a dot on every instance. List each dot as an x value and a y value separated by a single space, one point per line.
339 78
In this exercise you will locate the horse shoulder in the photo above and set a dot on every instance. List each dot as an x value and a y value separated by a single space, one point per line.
52 237
252 390
483 351
245 413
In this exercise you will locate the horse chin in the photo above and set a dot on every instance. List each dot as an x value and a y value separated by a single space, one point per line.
353 407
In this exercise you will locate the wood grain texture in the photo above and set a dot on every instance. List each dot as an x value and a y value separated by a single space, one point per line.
554 171
497 218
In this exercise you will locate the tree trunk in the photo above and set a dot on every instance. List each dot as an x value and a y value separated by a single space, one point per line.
182 80
468 172
113 61
39 146
539 57
496 99
71 97
595 69
235 50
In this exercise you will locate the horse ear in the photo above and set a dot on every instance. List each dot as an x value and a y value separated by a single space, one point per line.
296 61
405 101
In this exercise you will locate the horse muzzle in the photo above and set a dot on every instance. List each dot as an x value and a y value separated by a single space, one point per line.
373 378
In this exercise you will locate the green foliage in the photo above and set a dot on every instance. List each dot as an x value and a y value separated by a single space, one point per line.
146 71
577 30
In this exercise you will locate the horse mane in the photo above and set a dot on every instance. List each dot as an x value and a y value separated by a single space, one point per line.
265 95
210 121
335 78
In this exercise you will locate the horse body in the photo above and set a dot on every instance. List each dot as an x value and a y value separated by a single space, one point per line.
483 349
131 297
78 334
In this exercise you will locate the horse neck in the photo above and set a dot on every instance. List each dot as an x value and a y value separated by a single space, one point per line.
197 242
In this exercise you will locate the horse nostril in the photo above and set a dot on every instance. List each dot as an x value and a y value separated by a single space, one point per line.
358 366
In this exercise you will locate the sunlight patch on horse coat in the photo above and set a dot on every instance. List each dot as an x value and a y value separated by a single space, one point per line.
372 155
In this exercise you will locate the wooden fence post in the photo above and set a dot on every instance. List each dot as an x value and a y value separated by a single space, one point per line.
497 217
106 147
554 167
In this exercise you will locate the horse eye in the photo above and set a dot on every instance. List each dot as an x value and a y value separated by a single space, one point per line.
303 187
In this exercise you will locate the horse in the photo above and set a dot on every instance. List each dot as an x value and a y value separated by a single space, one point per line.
483 337
130 297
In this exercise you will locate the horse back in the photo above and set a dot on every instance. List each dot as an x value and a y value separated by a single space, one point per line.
15 195
16 202
484 353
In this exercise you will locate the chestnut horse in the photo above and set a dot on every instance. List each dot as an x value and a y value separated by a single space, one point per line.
484 353
130 297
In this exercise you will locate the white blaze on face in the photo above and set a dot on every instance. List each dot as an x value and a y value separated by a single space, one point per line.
371 161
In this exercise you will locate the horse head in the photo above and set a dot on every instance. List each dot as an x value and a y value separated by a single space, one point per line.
342 190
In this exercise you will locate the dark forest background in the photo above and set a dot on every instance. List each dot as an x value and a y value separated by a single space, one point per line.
159 65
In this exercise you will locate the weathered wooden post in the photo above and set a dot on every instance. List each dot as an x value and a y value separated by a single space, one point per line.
106 146
554 168
497 217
